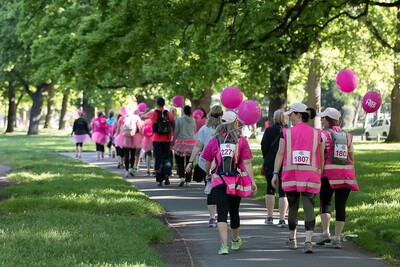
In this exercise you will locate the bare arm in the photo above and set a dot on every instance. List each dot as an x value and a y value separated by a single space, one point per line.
198 147
278 162
249 169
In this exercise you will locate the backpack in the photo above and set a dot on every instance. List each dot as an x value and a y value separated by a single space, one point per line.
228 150
339 150
162 125
129 126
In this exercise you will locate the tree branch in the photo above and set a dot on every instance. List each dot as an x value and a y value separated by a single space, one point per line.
374 31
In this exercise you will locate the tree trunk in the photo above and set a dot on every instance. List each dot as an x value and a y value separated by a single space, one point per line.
88 109
394 132
314 90
50 104
12 107
204 101
37 99
63 112
277 94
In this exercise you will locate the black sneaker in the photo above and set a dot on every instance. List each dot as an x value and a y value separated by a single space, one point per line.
167 182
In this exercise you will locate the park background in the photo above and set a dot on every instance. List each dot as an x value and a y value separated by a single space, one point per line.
60 56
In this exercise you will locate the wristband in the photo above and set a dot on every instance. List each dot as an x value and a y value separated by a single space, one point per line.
274 172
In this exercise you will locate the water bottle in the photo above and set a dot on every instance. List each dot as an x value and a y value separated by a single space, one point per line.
207 189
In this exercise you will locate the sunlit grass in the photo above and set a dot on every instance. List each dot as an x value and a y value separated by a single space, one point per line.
62 212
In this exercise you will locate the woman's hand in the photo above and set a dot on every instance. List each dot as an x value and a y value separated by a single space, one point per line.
189 167
254 187
275 181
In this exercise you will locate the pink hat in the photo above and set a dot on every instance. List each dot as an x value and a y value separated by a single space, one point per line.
332 113
296 107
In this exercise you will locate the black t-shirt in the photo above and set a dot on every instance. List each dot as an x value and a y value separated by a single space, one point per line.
80 126
270 145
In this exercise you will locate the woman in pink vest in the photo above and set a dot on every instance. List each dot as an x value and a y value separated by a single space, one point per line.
300 155
232 153
338 175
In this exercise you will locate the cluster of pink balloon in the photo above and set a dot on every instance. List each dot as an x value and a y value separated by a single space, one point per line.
347 81
248 111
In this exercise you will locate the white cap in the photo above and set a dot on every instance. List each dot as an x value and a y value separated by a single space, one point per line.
228 117
332 113
296 107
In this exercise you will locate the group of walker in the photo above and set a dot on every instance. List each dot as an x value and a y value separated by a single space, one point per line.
308 162
300 162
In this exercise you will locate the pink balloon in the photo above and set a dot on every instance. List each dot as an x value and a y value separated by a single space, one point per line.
347 80
122 111
148 130
142 106
371 101
231 97
198 114
249 112
178 101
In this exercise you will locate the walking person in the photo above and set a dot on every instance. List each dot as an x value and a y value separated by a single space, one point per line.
200 121
300 155
203 137
269 148
100 134
80 133
236 157
163 127
338 175
119 150
111 132
183 143
128 126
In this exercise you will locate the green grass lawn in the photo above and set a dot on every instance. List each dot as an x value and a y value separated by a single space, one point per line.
63 212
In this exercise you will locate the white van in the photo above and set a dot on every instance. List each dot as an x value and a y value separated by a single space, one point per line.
380 126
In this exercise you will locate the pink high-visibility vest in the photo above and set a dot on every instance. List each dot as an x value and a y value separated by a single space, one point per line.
339 175
301 169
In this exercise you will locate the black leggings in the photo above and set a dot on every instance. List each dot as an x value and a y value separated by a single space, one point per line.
129 157
181 162
227 203
79 144
341 196
308 207
99 147
270 189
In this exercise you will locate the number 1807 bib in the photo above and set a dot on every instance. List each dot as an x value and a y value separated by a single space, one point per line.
301 157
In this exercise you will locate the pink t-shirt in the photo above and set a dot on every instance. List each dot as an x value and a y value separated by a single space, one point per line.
212 151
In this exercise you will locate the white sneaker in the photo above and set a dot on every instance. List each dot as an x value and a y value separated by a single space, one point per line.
187 184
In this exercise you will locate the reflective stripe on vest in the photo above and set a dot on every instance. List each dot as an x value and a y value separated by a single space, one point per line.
338 167
336 182
302 184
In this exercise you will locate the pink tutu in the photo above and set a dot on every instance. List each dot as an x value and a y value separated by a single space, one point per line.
147 144
123 141
184 148
81 138
137 140
99 138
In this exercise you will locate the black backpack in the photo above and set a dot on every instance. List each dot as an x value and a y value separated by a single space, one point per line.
227 166
162 125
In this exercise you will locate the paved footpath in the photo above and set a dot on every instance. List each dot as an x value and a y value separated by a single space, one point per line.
262 245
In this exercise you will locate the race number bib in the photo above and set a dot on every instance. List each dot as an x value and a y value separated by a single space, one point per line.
340 151
301 157
227 150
